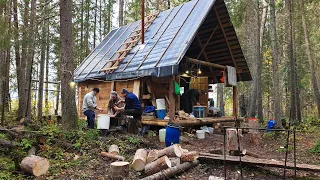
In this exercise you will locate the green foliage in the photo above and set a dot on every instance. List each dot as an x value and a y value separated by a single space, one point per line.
133 140
310 125
3 136
316 148
26 144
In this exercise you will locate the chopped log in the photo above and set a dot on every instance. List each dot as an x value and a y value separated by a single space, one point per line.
171 151
111 156
17 128
32 151
185 150
249 153
232 139
119 170
175 161
216 151
165 174
189 156
114 149
6 144
158 165
259 162
35 165
139 160
152 155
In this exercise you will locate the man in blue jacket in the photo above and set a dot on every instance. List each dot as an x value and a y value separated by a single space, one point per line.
132 105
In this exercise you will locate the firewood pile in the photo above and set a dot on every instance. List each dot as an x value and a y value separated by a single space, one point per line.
184 116
155 164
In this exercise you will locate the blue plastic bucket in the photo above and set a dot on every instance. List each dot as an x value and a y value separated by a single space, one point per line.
271 125
161 113
172 135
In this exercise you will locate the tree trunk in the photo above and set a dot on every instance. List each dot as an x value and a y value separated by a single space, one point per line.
171 151
95 25
275 64
41 75
152 155
312 64
81 30
87 30
121 4
46 99
220 93
67 66
158 165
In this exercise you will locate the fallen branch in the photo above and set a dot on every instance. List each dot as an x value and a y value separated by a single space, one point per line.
111 156
172 171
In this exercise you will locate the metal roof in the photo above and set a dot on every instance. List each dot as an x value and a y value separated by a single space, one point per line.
170 37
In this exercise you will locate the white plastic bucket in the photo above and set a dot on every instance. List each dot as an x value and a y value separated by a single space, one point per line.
103 121
200 134
161 103
210 130
162 135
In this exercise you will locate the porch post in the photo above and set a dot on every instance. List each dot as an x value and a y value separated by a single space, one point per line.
172 99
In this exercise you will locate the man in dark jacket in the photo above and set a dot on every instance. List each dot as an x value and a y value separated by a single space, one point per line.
132 106
189 98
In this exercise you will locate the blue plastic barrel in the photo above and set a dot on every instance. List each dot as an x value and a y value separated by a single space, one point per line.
271 125
161 113
172 134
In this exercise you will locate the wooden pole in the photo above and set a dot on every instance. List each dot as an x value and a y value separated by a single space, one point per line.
235 104
204 63
142 21
172 99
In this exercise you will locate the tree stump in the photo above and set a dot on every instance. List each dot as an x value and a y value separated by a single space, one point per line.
232 140
112 156
119 169
189 156
255 138
139 160
171 151
158 165
114 149
35 165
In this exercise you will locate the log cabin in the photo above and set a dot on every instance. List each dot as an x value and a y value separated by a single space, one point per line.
192 44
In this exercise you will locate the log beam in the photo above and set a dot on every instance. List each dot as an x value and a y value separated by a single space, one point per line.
204 63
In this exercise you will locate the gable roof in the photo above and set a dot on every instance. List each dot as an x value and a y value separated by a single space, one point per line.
170 37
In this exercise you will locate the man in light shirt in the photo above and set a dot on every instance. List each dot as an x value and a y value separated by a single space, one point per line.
89 106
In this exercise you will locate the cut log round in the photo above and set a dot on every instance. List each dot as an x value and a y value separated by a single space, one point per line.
114 149
158 165
152 155
111 156
35 165
175 161
165 174
139 160
119 169
189 156
171 151
232 139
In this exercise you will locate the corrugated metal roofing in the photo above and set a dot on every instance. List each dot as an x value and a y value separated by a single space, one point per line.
166 42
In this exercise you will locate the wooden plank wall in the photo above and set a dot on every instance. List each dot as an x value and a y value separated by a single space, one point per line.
201 83
119 85
102 97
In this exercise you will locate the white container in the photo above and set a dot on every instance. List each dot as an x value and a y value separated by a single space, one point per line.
103 121
161 103
162 135
200 134
210 130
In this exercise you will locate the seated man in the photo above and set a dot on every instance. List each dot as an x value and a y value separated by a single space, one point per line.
132 106
115 101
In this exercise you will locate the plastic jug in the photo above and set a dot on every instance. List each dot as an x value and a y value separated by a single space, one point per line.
172 134
162 135
103 121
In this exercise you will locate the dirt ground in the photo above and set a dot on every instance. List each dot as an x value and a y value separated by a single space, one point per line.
89 164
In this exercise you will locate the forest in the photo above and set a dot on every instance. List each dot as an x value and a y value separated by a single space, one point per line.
42 42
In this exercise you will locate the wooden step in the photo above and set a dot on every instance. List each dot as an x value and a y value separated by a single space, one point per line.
118 59
132 41
110 68
134 36
123 50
